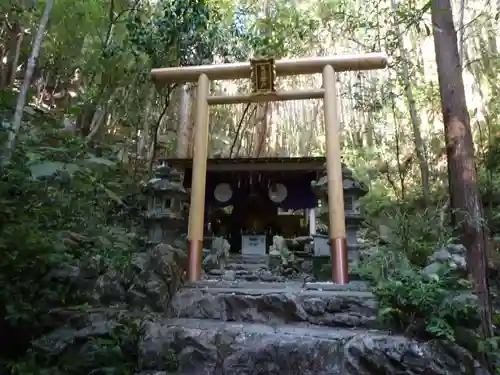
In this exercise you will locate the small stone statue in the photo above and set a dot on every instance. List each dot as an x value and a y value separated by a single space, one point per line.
278 243
279 248
219 254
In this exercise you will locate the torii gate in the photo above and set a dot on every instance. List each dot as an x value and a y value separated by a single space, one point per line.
263 73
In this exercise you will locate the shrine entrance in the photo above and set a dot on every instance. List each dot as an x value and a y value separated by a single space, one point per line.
263 73
250 200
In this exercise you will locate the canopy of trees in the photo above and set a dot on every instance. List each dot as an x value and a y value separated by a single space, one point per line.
77 102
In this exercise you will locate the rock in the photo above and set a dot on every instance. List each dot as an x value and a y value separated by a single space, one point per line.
215 272
148 283
451 258
432 270
457 249
193 347
109 288
218 348
459 261
61 339
440 256
229 275
315 306
448 253
385 233
373 354
92 341
228 348
306 266
159 275
333 309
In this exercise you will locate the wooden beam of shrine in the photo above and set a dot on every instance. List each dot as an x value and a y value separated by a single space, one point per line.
270 97
310 65
263 167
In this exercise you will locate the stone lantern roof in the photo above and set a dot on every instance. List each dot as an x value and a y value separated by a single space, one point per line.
352 186
167 181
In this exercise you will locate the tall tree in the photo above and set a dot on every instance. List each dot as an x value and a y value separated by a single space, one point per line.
23 93
184 129
462 174
416 122
261 123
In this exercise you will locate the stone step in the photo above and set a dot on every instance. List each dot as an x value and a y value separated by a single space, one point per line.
247 259
268 304
228 274
354 286
251 267
214 347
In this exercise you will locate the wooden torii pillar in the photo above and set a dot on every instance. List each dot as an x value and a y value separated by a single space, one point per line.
263 73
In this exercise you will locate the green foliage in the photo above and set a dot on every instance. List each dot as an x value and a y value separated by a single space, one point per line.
491 348
422 306
110 354
409 300
58 206
286 31
405 229
184 33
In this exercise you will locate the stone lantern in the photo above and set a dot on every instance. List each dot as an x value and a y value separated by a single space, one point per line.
166 207
353 191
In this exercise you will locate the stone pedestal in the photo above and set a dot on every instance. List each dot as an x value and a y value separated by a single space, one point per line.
253 244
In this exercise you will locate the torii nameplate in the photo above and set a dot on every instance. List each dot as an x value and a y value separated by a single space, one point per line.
263 75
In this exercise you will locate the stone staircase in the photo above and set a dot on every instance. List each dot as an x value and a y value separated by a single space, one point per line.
248 267
233 327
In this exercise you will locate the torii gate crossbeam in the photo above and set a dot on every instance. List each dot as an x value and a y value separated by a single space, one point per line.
264 72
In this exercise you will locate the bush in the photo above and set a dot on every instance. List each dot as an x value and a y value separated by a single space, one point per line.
412 233
409 301
114 353
57 207
426 307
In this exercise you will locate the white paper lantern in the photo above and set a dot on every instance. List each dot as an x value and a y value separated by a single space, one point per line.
278 193
223 192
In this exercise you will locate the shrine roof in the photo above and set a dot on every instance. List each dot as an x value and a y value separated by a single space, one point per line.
278 164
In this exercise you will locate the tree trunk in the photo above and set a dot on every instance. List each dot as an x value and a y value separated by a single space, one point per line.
261 122
461 30
184 119
462 173
144 137
156 128
17 54
414 116
21 101
13 34
97 121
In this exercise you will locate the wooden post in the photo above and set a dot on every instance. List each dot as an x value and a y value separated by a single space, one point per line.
197 203
336 217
